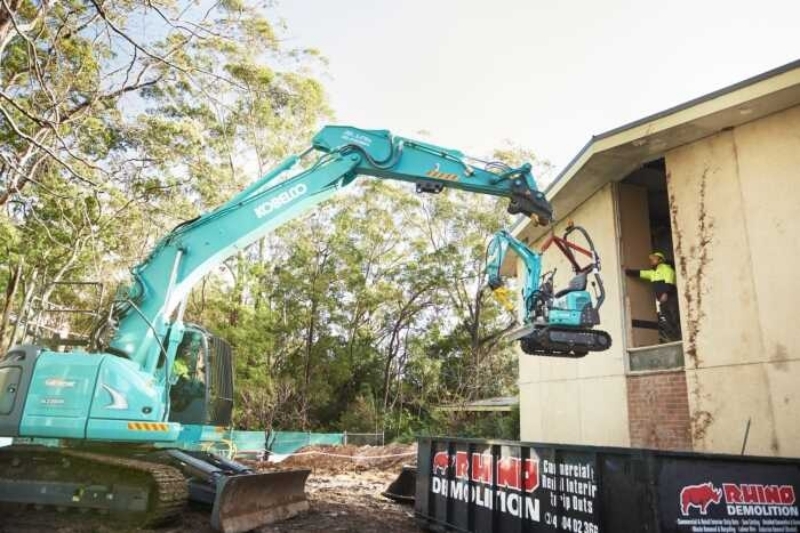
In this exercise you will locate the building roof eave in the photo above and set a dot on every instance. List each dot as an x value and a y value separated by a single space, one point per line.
612 155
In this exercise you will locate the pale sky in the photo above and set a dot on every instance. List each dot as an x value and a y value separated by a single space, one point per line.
545 74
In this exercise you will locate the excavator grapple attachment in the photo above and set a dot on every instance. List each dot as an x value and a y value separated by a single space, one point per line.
248 501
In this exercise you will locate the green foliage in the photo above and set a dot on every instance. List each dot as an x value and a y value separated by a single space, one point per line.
487 425
366 313
120 120
361 416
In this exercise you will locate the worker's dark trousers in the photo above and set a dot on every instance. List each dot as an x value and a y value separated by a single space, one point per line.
669 321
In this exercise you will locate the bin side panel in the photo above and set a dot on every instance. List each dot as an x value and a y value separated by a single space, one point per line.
727 495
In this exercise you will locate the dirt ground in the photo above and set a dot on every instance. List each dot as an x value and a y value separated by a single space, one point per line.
344 493
350 459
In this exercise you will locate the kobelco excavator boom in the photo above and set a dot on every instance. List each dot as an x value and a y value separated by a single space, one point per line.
145 376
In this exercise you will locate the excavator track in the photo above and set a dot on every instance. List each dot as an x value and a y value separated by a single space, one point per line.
563 342
140 492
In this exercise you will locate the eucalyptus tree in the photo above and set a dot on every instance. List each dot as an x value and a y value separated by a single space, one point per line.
120 119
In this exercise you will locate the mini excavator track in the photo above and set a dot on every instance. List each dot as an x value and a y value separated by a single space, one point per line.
561 342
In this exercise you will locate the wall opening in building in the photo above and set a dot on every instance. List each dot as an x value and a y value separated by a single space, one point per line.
650 295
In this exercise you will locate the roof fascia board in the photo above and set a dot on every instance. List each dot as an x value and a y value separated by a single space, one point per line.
733 96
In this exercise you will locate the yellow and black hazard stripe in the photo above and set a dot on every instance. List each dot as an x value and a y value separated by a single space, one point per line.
449 176
148 426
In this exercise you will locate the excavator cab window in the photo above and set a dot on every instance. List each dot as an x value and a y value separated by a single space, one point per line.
203 389
188 393
220 382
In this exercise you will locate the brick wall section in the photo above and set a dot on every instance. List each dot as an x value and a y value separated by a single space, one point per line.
658 410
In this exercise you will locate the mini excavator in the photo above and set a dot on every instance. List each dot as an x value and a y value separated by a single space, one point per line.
554 323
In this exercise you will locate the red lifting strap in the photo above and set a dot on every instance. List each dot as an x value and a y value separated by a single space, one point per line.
565 245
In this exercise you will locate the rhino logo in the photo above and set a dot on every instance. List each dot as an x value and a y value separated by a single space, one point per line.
441 462
700 496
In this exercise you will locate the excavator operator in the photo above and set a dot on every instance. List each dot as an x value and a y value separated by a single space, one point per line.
662 276
188 371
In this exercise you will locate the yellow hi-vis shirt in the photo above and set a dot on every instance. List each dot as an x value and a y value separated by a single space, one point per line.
663 272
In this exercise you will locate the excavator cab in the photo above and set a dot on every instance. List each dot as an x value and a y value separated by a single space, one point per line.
202 395
577 283
202 380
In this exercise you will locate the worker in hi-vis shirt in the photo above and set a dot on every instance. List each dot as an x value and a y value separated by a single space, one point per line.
662 276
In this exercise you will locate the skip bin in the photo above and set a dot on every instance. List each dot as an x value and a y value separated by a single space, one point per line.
483 486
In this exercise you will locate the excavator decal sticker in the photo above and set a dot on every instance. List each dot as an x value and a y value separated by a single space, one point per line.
52 401
285 197
357 138
59 383
148 426
439 175
118 401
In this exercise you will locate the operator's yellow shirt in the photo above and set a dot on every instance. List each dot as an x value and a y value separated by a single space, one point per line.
663 272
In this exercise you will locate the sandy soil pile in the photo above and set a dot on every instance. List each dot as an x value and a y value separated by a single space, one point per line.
343 459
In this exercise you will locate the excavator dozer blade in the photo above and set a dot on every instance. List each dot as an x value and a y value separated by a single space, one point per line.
248 501
404 488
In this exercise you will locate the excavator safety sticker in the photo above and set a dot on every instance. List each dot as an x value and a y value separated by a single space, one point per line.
437 174
147 426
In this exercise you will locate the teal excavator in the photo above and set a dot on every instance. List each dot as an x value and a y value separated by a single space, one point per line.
144 376
554 323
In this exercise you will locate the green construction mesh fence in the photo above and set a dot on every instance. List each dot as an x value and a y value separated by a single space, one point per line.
251 443
231 443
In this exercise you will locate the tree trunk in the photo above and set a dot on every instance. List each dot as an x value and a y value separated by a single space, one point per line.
310 331
30 290
11 292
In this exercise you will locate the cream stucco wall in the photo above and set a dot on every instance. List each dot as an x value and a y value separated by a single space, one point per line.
736 229
581 401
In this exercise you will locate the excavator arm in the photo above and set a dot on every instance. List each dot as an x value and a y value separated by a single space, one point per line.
433 168
162 282
498 249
